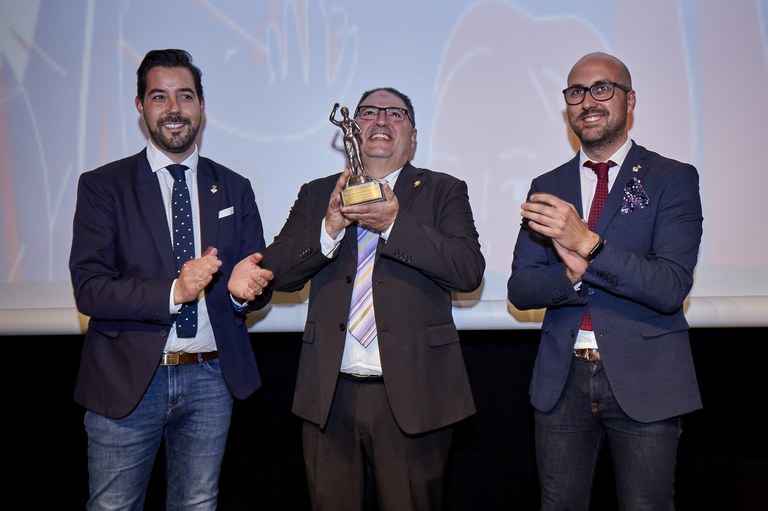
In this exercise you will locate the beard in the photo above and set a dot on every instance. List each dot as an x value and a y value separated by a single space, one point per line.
175 143
606 136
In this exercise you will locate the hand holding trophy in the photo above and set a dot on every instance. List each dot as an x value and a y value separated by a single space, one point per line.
361 188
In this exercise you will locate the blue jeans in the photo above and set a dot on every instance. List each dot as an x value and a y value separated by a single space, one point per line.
188 407
569 438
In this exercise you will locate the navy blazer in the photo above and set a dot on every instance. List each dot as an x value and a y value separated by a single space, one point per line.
636 287
432 250
122 268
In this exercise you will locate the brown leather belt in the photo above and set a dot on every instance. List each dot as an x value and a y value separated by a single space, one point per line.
587 354
174 358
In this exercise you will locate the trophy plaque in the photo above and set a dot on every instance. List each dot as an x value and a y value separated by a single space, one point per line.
361 188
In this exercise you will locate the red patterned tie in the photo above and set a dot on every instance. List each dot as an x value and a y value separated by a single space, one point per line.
601 193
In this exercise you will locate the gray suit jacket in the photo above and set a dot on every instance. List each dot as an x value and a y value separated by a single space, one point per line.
432 250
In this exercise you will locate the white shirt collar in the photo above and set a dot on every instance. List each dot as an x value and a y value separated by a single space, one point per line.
617 157
159 160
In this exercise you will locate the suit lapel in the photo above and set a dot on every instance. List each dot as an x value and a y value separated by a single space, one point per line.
150 204
209 193
570 190
409 183
631 168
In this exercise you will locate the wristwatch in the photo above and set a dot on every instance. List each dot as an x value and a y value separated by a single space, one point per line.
595 250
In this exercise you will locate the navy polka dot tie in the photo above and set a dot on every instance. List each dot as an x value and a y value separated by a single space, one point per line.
183 243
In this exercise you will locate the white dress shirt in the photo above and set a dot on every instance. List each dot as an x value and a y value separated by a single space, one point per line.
586 338
358 359
204 340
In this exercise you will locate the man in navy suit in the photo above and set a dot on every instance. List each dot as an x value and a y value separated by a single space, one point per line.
378 405
627 377
144 380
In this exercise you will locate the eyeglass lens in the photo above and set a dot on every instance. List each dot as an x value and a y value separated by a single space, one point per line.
599 91
392 113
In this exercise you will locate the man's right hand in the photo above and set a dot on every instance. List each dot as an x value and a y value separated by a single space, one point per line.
335 222
195 275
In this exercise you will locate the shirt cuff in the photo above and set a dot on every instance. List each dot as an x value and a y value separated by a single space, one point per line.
172 307
328 244
237 304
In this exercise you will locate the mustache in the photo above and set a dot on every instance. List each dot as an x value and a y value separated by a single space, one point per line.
173 119
593 111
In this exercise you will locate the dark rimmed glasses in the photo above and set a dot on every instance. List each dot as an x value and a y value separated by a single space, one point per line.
601 91
392 113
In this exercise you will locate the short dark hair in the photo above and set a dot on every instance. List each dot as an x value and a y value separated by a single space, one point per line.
391 90
167 58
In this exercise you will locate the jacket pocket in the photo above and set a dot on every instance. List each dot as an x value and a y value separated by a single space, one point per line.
309 333
440 335
107 328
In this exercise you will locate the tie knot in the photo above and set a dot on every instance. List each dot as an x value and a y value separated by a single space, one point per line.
177 170
600 168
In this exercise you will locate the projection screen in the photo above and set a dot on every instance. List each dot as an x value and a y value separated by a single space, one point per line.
485 78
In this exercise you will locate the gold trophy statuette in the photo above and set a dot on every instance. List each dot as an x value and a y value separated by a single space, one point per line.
361 188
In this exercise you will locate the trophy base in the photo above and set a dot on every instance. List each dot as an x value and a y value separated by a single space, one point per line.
369 191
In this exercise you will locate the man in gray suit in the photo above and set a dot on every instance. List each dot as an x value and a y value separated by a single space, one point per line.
380 403
614 361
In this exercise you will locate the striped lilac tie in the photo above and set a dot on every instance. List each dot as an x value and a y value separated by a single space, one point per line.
362 321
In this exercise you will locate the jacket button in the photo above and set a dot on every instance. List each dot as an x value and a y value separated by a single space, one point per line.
341 327
349 279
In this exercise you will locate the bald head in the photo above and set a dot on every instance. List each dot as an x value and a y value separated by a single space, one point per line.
606 61
601 125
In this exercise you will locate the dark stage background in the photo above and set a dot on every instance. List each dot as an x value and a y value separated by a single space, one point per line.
722 463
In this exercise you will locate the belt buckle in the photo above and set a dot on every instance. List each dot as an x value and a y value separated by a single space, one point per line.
589 354
170 358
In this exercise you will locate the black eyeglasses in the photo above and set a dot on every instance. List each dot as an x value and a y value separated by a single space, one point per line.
392 113
601 91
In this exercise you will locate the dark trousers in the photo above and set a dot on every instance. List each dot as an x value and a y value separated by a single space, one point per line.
362 456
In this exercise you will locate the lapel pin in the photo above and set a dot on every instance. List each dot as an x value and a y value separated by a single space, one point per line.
636 168
417 183
214 189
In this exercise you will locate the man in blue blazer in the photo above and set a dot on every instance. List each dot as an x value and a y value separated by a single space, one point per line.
628 376
144 380
378 406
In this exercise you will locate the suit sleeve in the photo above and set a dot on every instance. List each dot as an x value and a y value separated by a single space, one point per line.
648 259
446 249
105 285
252 241
295 255
538 278
650 254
